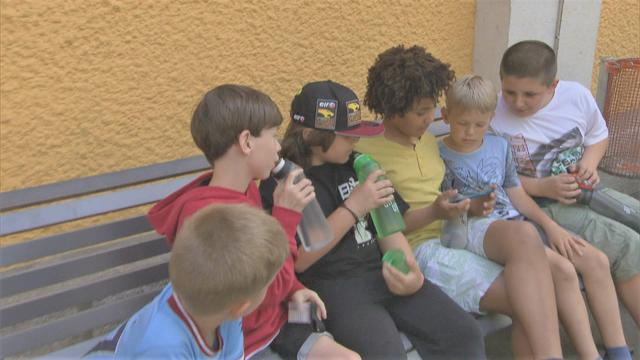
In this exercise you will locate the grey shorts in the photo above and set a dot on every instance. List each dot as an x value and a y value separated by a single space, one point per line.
620 243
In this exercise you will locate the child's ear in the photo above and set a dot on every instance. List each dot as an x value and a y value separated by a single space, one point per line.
244 141
554 84
443 112
239 309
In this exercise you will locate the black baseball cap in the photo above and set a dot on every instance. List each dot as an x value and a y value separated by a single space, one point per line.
327 105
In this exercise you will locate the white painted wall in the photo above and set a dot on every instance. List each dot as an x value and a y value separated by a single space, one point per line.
501 23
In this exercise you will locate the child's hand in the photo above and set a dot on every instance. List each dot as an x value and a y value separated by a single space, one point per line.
446 209
294 196
403 284
306 295
371 194
565 243
586 172
483 206
562 187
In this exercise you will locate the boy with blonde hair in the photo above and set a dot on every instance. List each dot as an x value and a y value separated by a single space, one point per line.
236 128
197 315
474 161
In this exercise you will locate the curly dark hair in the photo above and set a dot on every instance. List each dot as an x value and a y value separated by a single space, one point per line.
400 76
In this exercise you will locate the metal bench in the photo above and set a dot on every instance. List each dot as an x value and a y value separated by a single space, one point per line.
68 287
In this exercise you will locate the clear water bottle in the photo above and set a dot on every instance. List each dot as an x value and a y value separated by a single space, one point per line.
387 218
454 232
313 231
600 201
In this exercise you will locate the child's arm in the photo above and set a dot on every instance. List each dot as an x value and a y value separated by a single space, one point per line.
397 282
587 167
560 240
289 200
562 188
440 209
364 197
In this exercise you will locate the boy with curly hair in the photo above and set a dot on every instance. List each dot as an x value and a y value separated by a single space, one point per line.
403 87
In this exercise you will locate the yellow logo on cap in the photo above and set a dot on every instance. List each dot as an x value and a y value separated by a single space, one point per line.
326 113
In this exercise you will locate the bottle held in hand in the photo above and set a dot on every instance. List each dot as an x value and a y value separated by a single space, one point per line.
455 230
387 219
396 259
313 231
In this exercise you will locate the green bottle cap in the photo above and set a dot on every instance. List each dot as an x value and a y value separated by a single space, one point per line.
396 259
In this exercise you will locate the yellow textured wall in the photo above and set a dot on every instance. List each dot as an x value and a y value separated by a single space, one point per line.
88 87
618 34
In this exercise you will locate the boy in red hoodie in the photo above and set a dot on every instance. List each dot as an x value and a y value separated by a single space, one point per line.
235 127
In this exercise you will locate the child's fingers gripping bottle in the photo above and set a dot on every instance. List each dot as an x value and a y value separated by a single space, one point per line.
387 219
599 199
396 258
313 231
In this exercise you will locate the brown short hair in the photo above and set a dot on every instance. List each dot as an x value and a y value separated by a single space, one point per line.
227 110
225 254
471 92
298 149
400 77
530 58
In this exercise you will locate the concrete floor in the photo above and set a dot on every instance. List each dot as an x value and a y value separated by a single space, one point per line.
498 343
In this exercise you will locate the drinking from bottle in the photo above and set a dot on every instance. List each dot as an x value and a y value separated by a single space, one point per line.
313 231
387 219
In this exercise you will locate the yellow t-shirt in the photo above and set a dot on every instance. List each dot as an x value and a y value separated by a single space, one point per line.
415 173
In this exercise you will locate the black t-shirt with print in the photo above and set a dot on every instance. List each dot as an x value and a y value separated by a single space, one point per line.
358 252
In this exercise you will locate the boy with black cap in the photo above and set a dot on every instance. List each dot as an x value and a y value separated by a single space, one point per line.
368 301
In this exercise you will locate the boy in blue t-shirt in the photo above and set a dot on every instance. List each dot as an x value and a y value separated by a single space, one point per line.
476 161
197 315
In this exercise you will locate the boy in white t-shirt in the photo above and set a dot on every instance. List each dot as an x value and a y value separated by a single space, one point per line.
475 161
542 116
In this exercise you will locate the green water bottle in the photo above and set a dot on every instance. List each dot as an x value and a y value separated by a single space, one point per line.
387 218
396 259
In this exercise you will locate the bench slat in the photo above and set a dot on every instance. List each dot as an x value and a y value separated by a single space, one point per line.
61 329
47 273
34 218
96 288
91 184
52 245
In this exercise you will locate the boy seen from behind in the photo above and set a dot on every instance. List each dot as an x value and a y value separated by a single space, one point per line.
476 161
542 117
197 315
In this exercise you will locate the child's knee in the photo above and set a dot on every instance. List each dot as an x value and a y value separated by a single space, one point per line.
527 237
563 270
594 262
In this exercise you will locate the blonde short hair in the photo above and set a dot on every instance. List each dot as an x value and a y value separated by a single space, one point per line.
225 254
471 92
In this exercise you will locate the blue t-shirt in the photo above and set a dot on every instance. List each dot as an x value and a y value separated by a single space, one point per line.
163 329
473 172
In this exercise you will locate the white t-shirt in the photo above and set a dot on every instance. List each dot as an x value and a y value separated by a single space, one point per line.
570 119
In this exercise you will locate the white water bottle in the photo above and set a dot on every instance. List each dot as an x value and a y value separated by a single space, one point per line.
313 231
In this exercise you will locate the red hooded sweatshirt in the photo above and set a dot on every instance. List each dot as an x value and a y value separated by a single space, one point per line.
167 216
